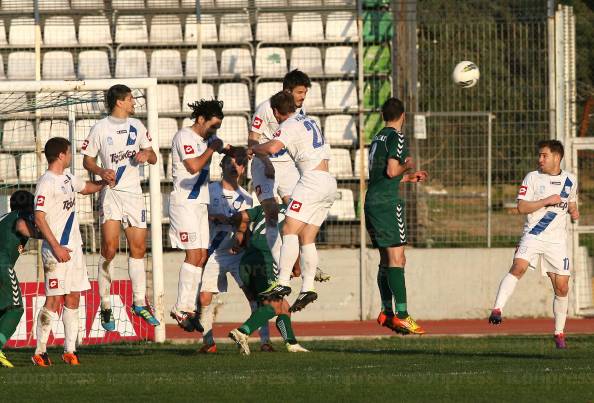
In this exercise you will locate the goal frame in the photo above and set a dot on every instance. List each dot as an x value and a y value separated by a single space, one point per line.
150 87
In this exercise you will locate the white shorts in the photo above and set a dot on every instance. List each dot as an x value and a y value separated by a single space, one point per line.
214 276
313 197
126 207
64 278
285 179
188 225
553 256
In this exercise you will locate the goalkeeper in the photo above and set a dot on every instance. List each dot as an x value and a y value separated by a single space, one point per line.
16 228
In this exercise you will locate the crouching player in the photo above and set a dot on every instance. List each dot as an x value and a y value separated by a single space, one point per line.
257 273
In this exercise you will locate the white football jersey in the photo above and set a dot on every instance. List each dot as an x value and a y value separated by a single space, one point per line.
225 202
56 196
304 141
265 124
192 188
117 141
548 223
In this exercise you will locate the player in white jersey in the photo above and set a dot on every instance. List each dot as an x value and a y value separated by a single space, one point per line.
123 144
546 196
275 172
63 262
192 149
311 199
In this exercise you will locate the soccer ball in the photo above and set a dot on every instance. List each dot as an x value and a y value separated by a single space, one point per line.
466 74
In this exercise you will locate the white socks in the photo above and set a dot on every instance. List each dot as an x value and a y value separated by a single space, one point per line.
44 327
104 281
187 287
138 278
288 256
506 289
560 312
70 320
309 264
206 319
264 330
274 243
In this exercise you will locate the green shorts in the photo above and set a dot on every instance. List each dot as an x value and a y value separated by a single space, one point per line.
10 292
256 271
386 224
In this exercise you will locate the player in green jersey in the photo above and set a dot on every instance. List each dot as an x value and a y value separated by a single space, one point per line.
257 271
16 228
390 164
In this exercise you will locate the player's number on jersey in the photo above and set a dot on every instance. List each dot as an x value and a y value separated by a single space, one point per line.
318 139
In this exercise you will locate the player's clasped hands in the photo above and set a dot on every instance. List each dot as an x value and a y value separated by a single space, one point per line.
215 144
108 175
62 253
141 157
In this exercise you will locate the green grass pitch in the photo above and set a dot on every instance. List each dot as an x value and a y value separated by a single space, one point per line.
398 369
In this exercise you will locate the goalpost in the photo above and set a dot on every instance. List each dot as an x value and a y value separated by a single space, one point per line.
30 113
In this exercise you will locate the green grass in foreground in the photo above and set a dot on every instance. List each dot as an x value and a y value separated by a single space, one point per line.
395 369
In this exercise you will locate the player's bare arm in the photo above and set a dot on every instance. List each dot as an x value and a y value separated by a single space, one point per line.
146 155
27 228
62 253
572 209
240 221
418 176
253 139
90 164
268 148
394 168
93 187
527 207
195 165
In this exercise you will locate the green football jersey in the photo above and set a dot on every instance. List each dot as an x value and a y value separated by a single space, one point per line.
386 144
11 242
257 241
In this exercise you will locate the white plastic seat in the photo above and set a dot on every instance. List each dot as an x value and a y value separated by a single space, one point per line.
131 63
313 99
304 3
271 62
235 28
140 98
28 167
131 29
192 4
266 90
3 40
81 130
167 129
22 31
232 3
56 110
270 3
236 61
53 5
307 27
209 63
191 94
235 97
93 64
21 66
307 59
94 30
209 29
166 28
8 169
59 31
272 27
340 60
365 163
340 2
87 4
340 130
340 163
17 5
168 98
166 63
52 128
162 3
12 102
144 169
216 173
341 26
341 94
94 103
343 208
122 4
234 130
58 65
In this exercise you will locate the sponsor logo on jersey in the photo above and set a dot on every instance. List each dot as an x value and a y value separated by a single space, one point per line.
53 283
122 131
555 183
257 123
68 204
133 135
110 141
277 133
188 149
41 200
295 206
523 190
116 158
85 144
183 236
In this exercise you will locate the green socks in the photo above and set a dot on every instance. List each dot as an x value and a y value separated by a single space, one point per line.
384 289
283 324
9 320
398 287
258 319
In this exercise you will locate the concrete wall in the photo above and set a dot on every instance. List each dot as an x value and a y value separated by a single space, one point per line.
441 284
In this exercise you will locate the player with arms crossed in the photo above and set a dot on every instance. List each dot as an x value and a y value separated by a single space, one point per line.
192 149
16 228
389 162
546 197
64 265
123 144
311 199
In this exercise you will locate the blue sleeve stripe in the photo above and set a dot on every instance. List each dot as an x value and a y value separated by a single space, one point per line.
199 182
119 173
67 229
216 242
132 139
543 223
568 183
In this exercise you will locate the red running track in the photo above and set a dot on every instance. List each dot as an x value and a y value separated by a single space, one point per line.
433 327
